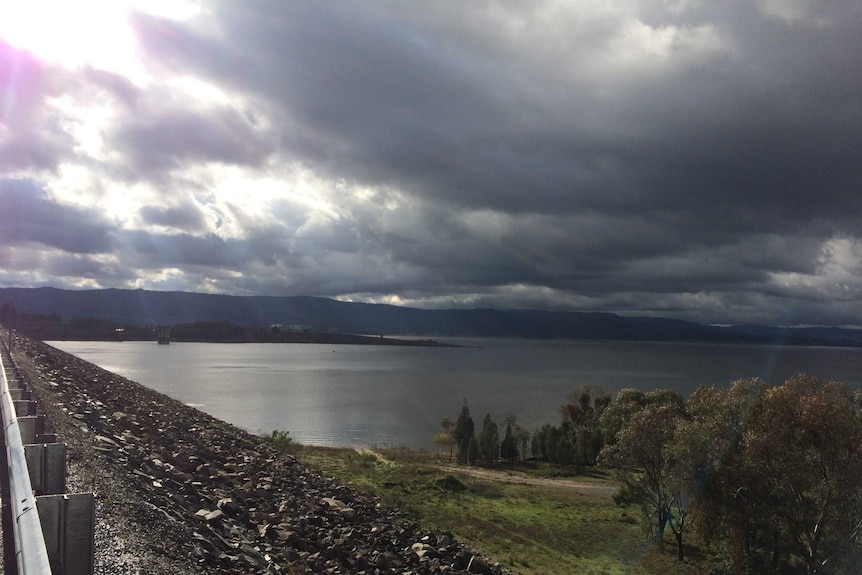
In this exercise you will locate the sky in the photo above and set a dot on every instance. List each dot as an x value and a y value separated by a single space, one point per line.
690 159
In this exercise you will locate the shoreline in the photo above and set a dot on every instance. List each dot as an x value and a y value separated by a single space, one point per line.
310 339
223 500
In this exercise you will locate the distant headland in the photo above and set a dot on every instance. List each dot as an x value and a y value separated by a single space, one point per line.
314 319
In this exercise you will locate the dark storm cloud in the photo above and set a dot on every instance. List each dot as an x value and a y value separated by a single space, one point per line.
180 137
679 174
693 159
76 267
31 216
186 216
357 90
387 98
153 250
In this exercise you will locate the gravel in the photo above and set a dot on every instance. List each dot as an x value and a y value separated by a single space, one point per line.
178 491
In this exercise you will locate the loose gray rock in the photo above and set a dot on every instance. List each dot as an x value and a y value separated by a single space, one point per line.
178 491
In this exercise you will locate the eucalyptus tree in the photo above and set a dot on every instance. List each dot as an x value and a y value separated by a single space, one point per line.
804 447
775 474
630 401
713 480
582 411
643 428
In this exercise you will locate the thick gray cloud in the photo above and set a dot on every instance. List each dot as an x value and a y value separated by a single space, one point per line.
186 216
29 139
692 159
30 216
153 142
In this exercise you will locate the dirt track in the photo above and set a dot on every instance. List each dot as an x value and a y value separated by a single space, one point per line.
598 489
601 490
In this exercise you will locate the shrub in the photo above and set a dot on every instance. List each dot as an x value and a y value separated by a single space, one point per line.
281 440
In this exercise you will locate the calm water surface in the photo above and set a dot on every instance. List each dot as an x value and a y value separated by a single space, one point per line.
381 395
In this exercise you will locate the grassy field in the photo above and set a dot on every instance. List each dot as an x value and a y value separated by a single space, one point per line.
542 527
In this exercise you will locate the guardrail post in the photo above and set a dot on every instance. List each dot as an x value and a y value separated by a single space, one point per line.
68 524
27 429
13 384
47 466
20 394
25 407
31 427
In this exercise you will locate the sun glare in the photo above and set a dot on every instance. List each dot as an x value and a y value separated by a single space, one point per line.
91 32
95 33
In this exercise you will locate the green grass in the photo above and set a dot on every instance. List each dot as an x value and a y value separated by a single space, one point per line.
529 529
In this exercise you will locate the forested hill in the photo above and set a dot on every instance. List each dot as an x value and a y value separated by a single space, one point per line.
141 307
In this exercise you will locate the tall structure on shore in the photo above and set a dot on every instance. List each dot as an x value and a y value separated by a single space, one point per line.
163 333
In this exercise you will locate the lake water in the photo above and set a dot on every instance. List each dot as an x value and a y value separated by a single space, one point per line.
380 395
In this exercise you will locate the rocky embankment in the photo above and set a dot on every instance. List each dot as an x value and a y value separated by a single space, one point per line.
178 491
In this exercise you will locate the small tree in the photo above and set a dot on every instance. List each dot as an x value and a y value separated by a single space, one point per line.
641 457
509 445
536 442
489 440
443 440
464 431
447 426
281 440
582 413
523 437
472 453
520 437
552 444
545 443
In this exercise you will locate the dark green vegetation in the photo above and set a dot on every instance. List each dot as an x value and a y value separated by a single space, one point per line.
520 514
281 441
576 441
769 479
142 307
759 478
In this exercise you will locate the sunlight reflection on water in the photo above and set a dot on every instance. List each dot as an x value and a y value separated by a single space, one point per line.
380 395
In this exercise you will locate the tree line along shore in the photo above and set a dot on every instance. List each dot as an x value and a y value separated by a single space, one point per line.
53 327
761 478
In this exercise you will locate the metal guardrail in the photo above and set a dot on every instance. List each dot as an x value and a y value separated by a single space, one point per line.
30 550
60 525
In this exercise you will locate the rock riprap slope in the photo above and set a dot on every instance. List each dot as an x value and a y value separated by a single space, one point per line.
178 491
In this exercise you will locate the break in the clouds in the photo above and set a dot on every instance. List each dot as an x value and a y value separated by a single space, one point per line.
689 159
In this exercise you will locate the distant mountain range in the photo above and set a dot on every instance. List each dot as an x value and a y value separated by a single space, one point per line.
141 308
